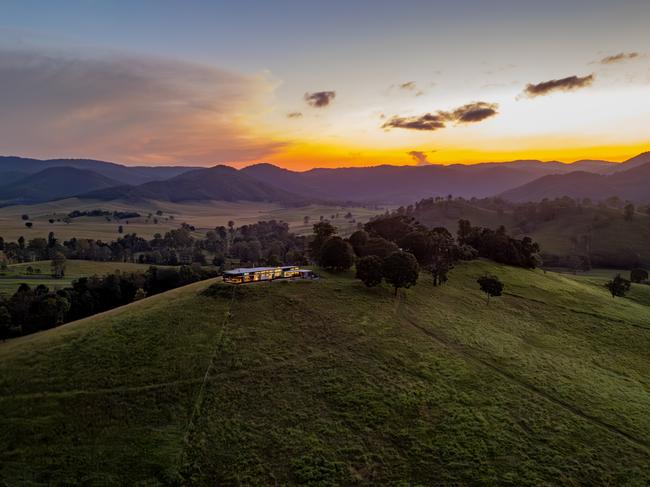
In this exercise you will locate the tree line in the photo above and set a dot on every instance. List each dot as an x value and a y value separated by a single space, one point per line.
30 310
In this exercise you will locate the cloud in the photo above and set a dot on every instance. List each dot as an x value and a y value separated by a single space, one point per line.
428 121
409 85
569 83
294 115
420 157
474 112
128 108
470 113
320 99
621 56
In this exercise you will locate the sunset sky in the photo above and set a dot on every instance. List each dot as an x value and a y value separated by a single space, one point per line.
309 84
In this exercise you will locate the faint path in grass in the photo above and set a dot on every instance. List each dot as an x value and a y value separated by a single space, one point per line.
640 443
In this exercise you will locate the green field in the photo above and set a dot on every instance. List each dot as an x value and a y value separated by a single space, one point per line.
16 274
330 383
204 215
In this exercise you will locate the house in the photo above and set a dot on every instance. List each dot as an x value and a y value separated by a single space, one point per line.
255 274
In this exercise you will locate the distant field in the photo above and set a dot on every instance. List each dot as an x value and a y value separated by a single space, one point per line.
330 383
17 273
203 215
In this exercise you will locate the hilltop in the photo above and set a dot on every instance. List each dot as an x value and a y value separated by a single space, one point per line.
330 383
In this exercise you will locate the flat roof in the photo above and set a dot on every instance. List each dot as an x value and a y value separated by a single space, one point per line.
245 270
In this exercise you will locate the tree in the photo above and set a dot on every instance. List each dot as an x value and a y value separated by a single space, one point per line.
120 229
322 231
618 286
358 240
29 224
5 323
58 265
628 211
638 275
490 285
336 254
401 269
25 217
370 270
139 294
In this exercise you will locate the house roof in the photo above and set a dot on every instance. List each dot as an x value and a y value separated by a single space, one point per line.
248 270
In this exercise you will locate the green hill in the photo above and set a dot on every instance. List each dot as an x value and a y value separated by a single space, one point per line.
330 383
612 240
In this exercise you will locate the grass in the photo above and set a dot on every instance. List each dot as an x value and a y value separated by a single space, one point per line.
204 215
16 274
330 383
612 237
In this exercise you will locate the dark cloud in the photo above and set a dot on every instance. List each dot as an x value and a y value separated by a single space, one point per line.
470 113
320 99
294 115
419 157
409 85
474 112
621 56
569 83
140 109
428 121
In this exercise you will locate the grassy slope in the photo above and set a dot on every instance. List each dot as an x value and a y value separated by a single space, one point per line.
16 273
330 382
611 234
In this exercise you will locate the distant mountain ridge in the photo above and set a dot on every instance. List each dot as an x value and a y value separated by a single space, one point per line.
51 184
630 182
216 183
25 181
123 174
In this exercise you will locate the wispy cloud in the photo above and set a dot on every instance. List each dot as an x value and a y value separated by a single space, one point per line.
409 85
320 99
470 113
569 83
617 58
294 114
127 108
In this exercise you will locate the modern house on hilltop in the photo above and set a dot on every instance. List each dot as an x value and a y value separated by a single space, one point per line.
255 274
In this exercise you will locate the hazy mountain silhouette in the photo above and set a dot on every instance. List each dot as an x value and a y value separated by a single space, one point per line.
630 181
216 183
51 184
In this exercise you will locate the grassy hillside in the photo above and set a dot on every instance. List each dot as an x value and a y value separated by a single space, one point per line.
330 383
16 274
612 237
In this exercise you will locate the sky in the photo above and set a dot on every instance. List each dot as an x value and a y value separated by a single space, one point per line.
305 84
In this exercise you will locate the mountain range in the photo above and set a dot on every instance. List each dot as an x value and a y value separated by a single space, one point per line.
29 181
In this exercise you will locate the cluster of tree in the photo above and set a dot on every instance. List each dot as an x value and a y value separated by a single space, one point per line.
266 242
117 215
498 246
396 243
30 310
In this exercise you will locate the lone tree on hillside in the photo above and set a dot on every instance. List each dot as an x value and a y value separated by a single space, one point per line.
628 211
58 265
638 275
619 286
369 270
401 269
25 216
336 254
490 285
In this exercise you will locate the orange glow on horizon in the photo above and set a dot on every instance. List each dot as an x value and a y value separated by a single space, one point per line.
306 156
